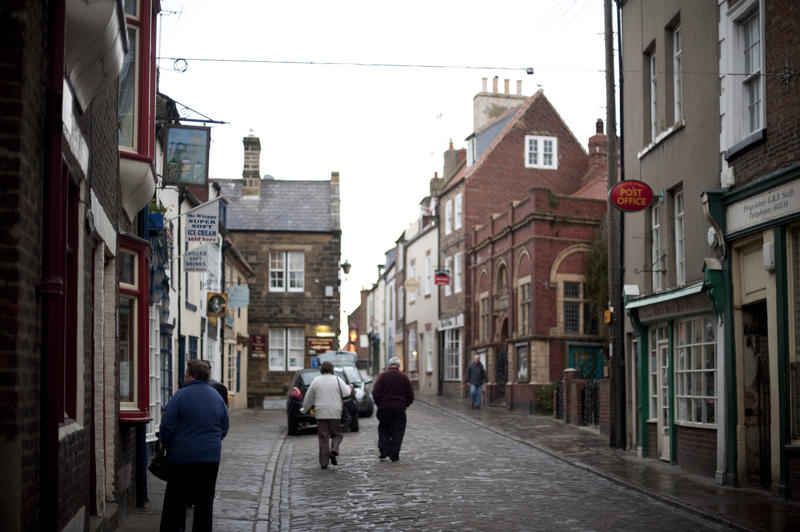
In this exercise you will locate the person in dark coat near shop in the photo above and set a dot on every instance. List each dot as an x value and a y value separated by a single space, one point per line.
476 376
392 393
192 428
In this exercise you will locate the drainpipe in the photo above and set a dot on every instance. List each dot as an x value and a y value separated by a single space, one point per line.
51 285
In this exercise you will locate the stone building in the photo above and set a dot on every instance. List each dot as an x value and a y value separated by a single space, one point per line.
289 232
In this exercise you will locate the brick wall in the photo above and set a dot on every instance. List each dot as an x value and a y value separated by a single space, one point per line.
697 449
22 113
652 440
782 144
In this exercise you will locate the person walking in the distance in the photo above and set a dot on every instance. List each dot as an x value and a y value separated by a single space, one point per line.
325 394
392 393
192 428
476 376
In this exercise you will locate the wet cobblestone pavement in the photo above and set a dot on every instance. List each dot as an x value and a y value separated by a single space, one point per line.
454 475
461 469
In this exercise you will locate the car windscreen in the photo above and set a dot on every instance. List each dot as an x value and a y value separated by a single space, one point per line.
352 373
309 376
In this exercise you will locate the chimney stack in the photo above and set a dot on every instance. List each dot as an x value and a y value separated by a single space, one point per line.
252 163
597 145
335 203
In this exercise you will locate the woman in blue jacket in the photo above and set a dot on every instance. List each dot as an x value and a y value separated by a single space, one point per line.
192 428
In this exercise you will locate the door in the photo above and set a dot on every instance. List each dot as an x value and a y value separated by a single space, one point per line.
756 395
659 388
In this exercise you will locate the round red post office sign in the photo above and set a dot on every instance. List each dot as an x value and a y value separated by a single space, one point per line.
631 195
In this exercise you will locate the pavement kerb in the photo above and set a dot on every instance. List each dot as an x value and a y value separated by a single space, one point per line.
267 509
666 499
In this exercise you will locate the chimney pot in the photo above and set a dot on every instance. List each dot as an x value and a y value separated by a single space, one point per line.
483 81
494 84
519 87
599 126
505 85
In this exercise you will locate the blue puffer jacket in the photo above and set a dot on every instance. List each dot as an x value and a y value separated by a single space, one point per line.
194 424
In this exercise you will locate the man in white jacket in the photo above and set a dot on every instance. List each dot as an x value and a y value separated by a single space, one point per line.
325 395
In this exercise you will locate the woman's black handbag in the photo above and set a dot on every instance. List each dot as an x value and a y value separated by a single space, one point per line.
159 466
349 407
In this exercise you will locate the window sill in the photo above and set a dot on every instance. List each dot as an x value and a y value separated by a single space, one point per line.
742 145
664 135
694 425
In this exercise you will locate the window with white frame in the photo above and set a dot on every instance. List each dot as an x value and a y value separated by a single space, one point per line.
656 251
452 355
233 367
651 97
448 265
401 303
458 211
412 274
483 323
457 273
286 349
541 152
133 327
286 271
413 354
677 74
522 362
524 315
750 39
680 259
448 217
428 275
696 371
653 373
428 351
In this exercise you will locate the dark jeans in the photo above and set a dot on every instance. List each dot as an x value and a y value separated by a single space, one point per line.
391 429
199 479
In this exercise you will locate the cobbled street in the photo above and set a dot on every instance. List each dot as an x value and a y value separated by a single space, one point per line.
452 475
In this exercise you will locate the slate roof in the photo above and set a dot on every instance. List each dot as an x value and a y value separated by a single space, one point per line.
293 206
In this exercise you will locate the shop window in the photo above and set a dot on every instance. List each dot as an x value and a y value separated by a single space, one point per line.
133 329
696 371
286 349
452 355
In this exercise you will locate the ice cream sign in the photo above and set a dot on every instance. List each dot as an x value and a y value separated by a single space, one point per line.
631 195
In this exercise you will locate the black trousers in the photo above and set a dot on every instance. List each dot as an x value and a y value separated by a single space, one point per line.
391 429
199 479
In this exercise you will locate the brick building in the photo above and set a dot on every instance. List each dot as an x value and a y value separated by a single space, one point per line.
357 334
78 170
523 145
289 232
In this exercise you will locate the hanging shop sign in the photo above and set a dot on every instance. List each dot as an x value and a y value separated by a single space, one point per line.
217 304
441 277
631 195
186 155
258 345
238 296
196 259
202 222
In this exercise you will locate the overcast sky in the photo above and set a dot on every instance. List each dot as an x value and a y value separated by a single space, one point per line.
383 128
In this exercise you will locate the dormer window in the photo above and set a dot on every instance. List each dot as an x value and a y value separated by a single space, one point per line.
541 152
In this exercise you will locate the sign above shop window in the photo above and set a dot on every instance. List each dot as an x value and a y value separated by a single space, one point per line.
186 155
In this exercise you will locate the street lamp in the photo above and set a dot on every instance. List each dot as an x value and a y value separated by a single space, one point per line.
345 267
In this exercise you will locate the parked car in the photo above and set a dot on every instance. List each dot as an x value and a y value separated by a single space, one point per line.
338 357
362 387
294 401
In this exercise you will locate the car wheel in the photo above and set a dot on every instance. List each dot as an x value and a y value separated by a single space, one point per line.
354 424
292 426
368 412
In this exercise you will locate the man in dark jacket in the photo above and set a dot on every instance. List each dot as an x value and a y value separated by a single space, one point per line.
476 376
392 393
